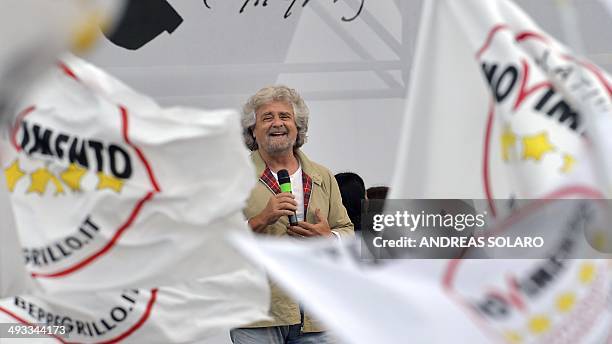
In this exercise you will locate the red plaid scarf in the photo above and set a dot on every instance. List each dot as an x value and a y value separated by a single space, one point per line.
268 178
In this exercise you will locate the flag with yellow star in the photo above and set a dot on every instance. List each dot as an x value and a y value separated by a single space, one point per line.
498 110
481 300
103 201
33 34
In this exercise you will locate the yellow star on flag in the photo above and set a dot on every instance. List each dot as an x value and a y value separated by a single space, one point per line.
568 163
587 273
40 179
535 146
72 176
13 174
88 32
508 140
565 302
109 182
539 324
513 337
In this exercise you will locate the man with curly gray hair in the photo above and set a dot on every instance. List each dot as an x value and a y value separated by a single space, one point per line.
275 123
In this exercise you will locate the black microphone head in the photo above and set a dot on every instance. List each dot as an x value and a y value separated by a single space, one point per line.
283 176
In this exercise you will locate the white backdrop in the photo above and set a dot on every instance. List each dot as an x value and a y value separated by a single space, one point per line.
352 74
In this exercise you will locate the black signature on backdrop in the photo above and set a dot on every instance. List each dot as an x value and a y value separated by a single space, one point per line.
143 20
288 12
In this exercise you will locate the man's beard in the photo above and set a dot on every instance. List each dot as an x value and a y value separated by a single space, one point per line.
276 146
279 144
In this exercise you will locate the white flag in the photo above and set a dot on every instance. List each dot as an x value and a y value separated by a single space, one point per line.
188 313
497 92
110 191
192 200
361 304
438 301
523 104
27 50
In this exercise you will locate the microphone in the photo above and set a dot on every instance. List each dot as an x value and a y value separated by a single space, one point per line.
285 185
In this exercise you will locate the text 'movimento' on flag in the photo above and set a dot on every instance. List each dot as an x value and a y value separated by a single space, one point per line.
123 209
111 191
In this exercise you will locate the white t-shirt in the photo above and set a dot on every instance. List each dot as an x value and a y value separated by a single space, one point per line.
297 189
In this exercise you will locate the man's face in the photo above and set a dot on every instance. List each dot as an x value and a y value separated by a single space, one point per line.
275 130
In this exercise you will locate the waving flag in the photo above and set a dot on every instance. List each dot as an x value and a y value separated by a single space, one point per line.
123 209
119 193
187 313
497 110
102 192
529 142
528 106
27 50
436 301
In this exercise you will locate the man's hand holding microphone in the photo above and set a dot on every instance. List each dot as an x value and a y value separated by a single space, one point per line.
284 204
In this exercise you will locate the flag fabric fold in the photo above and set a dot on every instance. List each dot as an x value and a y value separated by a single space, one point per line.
111 194
185 313
122 209
27 50
13 277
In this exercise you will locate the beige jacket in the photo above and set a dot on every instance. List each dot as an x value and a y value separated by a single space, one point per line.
325 195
